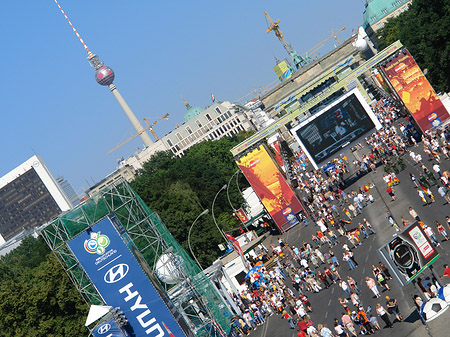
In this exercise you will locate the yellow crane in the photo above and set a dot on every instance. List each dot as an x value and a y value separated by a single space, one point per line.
314 49
149 127
275 27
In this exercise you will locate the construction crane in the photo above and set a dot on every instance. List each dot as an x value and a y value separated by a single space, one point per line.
149 127
322 43
260 90
298 60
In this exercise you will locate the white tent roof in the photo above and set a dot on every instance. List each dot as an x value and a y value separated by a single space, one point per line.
96 312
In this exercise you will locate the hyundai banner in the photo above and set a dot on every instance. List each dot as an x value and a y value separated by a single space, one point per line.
121 282
108 329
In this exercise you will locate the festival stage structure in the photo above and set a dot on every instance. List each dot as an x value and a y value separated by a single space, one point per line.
92 241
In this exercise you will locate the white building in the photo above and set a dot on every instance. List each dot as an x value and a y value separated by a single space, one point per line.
29 197
214 122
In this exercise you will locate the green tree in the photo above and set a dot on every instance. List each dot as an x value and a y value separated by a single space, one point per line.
37 298
424 30
179 189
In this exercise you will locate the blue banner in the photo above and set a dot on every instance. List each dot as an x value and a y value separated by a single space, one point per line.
108 329
121 282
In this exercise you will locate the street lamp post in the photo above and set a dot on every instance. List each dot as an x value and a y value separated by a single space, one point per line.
229 200
212 212
228 185
189 236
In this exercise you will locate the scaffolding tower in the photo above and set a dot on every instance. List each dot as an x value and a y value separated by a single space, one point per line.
195 298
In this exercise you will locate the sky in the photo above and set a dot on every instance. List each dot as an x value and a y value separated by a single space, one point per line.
159 50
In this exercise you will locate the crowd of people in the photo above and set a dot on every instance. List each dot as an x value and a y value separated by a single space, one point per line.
315 265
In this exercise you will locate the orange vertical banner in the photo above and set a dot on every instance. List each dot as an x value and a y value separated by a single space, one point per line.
271 187
415 91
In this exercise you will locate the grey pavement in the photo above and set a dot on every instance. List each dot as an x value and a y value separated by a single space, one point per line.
325 303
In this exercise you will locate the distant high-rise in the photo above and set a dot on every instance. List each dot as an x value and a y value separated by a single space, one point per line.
29 197
68 190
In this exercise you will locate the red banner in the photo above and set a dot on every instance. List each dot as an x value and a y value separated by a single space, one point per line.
415 91
271 187
241 215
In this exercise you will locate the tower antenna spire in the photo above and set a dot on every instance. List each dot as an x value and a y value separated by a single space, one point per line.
105 76
74 29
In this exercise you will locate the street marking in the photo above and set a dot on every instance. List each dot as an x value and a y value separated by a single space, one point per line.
364 269
367 257
326 315
332 290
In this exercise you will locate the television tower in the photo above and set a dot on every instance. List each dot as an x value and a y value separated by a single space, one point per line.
105 76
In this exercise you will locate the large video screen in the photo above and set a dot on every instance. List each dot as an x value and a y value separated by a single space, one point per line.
335 127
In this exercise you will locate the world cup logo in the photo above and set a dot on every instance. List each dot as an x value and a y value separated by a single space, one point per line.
97 243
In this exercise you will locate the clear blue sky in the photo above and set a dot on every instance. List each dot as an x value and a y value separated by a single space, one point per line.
52 105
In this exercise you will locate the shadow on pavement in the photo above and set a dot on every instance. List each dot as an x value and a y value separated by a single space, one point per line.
412 318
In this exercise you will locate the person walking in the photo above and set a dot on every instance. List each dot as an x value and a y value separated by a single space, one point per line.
345 287
414 180
414 214
370 282
347 258
348 323
384 315
324 331
288 318
443 192
430 233
392 307
441 230
369 226
362 317
381 280
422 196
352 283
385 270
363 230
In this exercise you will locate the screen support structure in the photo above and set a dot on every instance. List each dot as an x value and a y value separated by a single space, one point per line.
195 298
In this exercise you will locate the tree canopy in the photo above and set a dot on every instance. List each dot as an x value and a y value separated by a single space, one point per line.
179 189
37 298
424 30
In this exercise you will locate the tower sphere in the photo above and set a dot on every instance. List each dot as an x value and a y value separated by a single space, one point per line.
104 75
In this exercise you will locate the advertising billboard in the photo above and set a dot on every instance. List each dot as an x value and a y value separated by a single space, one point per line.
409 253
333 128
271 187
108 328
283 71
120 280
415 91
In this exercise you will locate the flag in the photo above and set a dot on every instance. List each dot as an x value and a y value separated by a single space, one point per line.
213 98
235 244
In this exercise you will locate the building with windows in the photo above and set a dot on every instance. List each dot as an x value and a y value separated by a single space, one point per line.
29 197
377 12
124 172
68 190
222 119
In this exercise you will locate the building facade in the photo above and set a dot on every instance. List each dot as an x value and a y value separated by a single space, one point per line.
222 119
29 197
125 172
68 190
377 12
